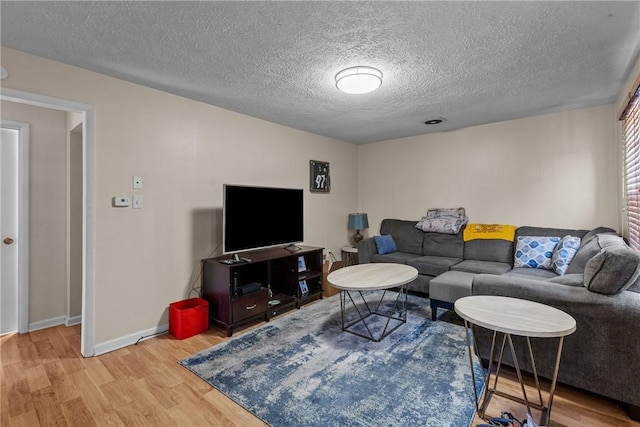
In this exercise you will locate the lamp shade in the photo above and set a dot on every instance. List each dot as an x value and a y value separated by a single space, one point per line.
358 221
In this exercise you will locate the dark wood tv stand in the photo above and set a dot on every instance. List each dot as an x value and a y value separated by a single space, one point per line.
261 288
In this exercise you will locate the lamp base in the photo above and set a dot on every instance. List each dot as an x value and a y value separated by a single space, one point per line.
356 237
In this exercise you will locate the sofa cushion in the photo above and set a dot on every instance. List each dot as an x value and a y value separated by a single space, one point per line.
488 267
384 244
614 269
433 265
589 247
564 253
548 231
534 251
407 238
451 286
532 273
575 279
394 257
607 240
497 250
446 245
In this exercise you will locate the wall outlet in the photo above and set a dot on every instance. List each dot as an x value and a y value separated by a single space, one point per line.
137 182
137 201
121 201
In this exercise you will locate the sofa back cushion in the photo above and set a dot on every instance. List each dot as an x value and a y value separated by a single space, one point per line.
589 247
440 244
548 232
615 268
405 235
496 250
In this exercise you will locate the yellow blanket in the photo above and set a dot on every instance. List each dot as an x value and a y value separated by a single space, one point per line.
489 231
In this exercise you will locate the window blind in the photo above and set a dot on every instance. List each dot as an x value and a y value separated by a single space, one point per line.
631 135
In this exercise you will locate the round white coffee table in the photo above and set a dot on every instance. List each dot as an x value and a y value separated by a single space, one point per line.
514 316
371 277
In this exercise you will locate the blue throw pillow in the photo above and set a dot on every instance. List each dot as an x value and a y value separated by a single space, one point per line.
564 253
385 244
535 251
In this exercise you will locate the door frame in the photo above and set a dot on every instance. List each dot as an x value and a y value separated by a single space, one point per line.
87 339
23 221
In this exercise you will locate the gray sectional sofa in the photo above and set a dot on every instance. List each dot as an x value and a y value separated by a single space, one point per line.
600 289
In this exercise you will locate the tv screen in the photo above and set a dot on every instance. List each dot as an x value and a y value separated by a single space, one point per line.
258 217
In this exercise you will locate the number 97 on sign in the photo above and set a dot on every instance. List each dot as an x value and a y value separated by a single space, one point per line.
320 179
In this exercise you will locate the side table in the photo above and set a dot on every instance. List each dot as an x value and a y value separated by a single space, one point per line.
514 316
349 255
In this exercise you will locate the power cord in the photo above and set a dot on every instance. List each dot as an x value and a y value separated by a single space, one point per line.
194 288
198 289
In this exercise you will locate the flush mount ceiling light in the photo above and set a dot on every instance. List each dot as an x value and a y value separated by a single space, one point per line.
358 80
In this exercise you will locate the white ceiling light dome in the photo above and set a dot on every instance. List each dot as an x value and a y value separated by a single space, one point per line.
358 80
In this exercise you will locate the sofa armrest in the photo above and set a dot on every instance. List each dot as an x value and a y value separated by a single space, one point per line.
366 248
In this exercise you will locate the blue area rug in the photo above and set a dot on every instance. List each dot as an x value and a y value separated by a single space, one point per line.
302 370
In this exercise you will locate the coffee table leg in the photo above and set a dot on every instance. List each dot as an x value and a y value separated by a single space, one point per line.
400 298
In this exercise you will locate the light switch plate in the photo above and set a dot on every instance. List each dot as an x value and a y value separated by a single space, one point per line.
137 201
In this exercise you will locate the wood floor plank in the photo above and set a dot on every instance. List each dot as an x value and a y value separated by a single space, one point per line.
77 413
26 419
9 353
98 373
19 397
48 409
37 378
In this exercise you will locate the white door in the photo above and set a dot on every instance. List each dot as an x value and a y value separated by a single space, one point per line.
9 231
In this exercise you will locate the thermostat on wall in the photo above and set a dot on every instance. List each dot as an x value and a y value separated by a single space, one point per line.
121 201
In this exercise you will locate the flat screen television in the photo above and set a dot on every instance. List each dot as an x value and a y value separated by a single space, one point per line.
260 217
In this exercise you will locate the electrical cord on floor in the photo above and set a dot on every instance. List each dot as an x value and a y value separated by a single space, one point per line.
152 335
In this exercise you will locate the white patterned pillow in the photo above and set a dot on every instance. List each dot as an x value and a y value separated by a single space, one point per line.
534 251
444 212
564 253
445 224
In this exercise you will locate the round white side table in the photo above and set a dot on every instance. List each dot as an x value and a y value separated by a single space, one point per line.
514 316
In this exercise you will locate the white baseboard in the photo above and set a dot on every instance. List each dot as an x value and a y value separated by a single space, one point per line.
118 343
73 320
55 321
47 323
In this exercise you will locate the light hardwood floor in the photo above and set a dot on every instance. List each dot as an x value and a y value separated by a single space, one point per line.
44 381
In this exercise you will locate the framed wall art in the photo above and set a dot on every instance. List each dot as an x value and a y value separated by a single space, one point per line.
320 179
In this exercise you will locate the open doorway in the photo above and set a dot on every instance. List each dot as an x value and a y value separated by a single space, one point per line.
85 239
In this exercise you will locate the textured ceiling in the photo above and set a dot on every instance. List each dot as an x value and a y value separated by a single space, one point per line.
468 62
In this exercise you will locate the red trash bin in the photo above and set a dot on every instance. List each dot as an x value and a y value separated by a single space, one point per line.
188 317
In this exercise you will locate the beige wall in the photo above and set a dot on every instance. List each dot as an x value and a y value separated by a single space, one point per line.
185 151
556 170
48 209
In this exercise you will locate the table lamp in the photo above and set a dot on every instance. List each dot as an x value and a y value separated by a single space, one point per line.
358 221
